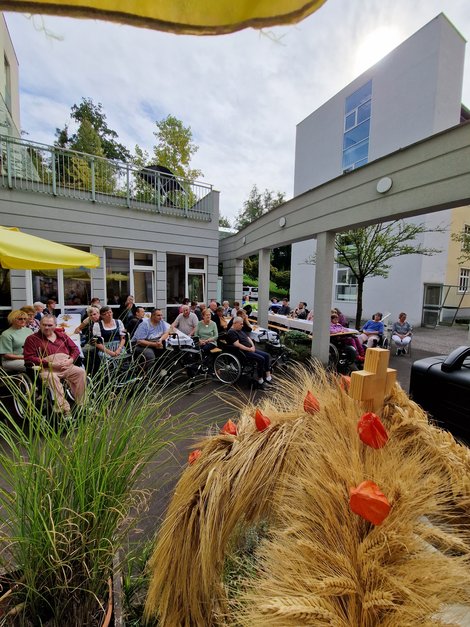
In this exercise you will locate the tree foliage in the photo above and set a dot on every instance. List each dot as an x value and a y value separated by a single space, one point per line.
463 238
367 251
86 114
224 222
257 205
175 148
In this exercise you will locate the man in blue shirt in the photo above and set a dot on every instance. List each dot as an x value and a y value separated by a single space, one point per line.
150 337
372 330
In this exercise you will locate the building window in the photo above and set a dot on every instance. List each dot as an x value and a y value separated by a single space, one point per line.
357 128
464 277
5 291
69 288
185 278
346 285
465 244
130 272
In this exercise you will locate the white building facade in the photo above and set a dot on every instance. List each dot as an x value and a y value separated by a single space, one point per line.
413 93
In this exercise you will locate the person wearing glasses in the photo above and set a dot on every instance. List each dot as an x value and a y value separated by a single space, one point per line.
12 341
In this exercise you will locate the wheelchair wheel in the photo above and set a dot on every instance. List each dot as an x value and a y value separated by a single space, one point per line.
333 358
227 368
24 394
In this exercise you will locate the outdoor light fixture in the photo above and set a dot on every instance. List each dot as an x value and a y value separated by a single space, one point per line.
282 221
384 185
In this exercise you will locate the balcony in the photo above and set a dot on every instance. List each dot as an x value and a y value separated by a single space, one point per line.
33 167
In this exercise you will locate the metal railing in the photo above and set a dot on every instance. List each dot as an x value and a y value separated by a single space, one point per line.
34 167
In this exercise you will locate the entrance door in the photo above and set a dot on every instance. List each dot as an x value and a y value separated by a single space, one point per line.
432 303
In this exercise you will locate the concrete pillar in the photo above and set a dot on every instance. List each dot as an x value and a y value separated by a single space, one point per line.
322 295
232 285
264 272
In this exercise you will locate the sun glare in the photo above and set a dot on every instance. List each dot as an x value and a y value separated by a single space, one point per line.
375 46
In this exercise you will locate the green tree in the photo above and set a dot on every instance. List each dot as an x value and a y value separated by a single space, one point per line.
175 148
367 251
94 115
257 205
224 222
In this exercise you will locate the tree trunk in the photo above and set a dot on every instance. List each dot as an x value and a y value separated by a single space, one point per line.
360 289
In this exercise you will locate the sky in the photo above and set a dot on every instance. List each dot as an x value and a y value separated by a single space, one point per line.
242 94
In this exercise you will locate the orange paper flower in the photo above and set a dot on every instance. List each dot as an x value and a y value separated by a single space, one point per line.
311 404
344 382
262 422
194 456
369 502
230 428
371 431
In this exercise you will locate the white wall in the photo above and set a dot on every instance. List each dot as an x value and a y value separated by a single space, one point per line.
416 92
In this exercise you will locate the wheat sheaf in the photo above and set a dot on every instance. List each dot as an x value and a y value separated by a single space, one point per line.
320 564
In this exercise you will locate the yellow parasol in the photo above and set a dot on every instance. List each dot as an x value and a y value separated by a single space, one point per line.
21 251
187 17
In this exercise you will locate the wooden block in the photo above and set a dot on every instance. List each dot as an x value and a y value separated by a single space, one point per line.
371 385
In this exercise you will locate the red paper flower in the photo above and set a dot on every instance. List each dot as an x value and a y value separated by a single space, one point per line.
230 428
371 431
311 404
344 382
194 456
369 502
262 422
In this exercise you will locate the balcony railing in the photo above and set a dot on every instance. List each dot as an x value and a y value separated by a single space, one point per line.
33 167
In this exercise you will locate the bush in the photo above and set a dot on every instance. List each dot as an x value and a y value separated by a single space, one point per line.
300 343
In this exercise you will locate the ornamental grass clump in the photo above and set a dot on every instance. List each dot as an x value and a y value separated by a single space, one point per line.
397 555
70 495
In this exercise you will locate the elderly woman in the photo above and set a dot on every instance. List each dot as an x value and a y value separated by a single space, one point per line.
206 331
32 323
86 338
401 334
110 334
12 341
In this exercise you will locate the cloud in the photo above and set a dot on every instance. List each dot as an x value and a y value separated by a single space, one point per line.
242 94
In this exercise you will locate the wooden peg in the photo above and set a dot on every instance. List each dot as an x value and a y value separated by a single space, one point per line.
371 385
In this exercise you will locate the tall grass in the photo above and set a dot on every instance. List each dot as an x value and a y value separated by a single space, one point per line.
69 496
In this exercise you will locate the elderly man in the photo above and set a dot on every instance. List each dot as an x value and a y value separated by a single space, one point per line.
150 337
54 352
186 321
238 338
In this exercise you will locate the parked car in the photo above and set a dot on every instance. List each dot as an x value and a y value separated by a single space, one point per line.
251 292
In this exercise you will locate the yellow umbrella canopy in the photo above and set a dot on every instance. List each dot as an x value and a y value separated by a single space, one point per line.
187 17
20 251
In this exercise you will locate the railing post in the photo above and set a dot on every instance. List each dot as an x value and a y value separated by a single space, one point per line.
186 197
9 164
128 187
93 180
54 174
157 191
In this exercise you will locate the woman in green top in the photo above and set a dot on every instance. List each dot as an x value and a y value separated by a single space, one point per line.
207 332
12 341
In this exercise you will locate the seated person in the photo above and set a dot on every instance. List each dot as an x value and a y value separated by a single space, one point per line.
222 326
207 332
284 309
32 323
235 308
186 321
301 311
274 305
150 339
350 340
247 328
372 331
55 353
39 309
310 315
134 322
238 338
341 317
227 309
12 341
110 334
87 339
248 309
401 334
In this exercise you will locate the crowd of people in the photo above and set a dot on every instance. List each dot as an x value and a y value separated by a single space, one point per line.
106 333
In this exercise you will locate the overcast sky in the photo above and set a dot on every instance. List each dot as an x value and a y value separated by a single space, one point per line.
242 94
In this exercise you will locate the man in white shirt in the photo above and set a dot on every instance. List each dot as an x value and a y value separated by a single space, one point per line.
186 321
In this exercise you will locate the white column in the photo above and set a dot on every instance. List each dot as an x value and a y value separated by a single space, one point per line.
264 272
322 295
